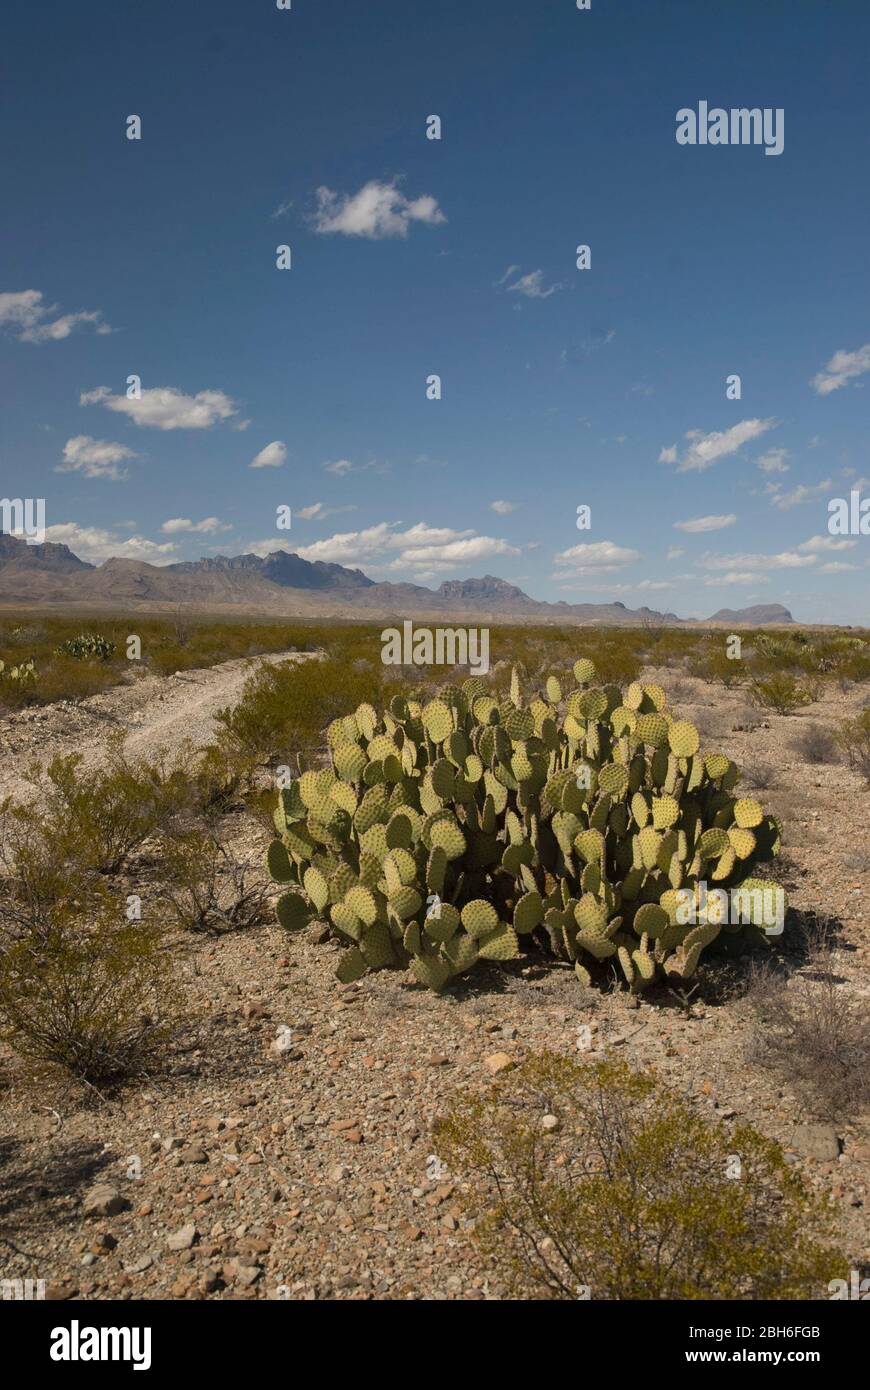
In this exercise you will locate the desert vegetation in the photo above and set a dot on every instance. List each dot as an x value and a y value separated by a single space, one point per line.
502 845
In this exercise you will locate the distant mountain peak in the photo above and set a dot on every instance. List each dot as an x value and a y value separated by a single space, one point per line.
758 615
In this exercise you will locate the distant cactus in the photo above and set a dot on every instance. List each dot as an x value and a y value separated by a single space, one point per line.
23 674
575 823
88 646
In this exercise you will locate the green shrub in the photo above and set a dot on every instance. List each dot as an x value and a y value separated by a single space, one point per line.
573 821
714 664
853 739
95 998
287 707
596 1181
779 692
95 816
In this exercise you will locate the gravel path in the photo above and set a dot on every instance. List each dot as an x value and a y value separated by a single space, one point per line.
157 711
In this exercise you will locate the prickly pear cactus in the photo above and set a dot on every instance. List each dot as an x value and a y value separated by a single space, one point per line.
23 674
467 826
88 646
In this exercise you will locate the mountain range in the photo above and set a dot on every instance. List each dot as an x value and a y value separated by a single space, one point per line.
283 585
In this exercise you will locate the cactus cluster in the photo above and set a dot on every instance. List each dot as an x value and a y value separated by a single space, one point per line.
88 646
455 829
22 674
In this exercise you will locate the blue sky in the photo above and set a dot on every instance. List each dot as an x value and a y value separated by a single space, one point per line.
412 257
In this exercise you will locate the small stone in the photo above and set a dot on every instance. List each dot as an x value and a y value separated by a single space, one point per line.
820 1142
104 1200
549 1123
139 1266
183 1238
195 1155
498 1062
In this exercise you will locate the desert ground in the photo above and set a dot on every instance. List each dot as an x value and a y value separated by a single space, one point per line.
239 1170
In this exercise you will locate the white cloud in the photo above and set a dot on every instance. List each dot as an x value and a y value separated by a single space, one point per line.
531 286
706 449
804 492
272 456
318 512
706 523
340 468
94 544
674 552
774 461
503 508
282 209
165 408
816 543
602 557
25 312
736 577
785 559
95 458
417 549
837 567
842 368
378 210
208 527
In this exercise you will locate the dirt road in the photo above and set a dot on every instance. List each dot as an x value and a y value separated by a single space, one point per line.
156 711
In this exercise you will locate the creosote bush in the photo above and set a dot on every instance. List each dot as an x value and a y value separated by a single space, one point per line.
207 888
461 828
810 1030
596 1181
853 739
93 996
779 692
95 816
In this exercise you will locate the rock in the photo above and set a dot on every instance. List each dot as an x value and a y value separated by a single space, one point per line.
549 1123
283 1043
183 1238
498 1062
816 1141
195 1155
103 1200
139 1266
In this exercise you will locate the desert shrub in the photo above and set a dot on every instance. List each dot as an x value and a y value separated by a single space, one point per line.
780 692
853 739
43 879
569 822
286 708
217 779
207 888
95 998
712 663
95 816
761 777
594 1180
815 744
811 1032
88 646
